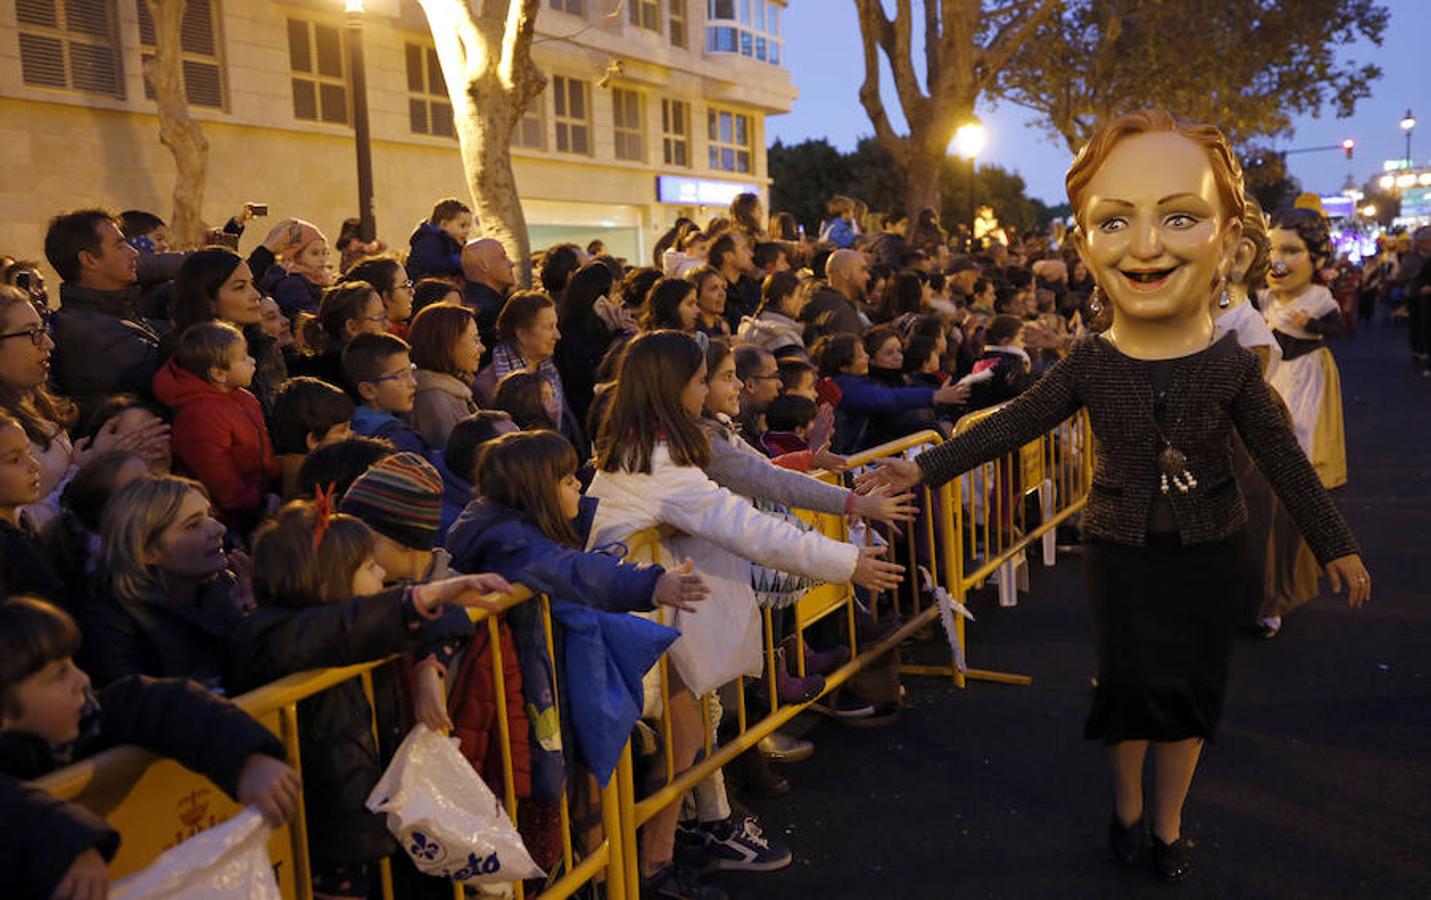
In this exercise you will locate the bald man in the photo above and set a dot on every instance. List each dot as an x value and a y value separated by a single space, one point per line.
490 276
836 307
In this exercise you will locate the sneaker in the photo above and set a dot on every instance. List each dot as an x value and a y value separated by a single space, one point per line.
783 748
740 844
677 882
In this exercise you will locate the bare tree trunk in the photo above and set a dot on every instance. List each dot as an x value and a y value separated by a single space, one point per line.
486 58
177 129
958 69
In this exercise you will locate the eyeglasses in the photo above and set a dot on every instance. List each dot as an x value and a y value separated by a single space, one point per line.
762 377
410 373
37 335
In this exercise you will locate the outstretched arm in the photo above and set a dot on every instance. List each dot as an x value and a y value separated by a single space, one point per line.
1053 398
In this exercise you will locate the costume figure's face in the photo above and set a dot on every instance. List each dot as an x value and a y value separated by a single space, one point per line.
1292 264
1156 236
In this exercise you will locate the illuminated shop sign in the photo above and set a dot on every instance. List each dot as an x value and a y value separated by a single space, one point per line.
699 191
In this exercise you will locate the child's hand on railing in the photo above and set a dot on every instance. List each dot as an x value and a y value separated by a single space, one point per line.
464 590
681 588
430 698
877 503
898 474
874 573
271 787
822 458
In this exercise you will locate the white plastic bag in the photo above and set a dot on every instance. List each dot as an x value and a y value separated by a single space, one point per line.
227 862
445 817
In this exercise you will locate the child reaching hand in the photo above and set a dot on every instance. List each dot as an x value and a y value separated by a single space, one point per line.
322 604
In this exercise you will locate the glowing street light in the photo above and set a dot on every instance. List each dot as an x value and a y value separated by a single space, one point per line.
1386 182
969 139
1369 210
1405 181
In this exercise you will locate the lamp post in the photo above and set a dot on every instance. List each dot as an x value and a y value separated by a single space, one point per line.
367 224
969 142
1408 125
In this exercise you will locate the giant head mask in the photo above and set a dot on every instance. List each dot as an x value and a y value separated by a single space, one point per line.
1159 209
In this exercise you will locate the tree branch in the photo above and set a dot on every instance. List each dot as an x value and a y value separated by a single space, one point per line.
1011 36
872 24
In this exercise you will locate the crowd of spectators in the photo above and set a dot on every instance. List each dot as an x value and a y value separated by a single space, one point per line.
217 469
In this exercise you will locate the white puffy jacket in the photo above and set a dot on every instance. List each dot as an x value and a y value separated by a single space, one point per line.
720 531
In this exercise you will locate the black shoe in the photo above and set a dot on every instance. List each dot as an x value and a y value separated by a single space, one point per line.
675 882
1172 862
752 773
1125 842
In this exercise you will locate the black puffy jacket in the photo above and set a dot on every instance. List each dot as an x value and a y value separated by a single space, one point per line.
340 761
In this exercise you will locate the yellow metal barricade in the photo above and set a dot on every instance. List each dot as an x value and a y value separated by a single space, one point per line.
157 803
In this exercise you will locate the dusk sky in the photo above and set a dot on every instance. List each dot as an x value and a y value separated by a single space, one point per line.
822 51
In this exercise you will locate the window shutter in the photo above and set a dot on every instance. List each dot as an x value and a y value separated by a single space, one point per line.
42 60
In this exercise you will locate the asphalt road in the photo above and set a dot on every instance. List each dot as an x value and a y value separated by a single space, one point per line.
1319 785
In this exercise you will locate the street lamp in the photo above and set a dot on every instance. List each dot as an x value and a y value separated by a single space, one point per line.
367 224
1369 210
1408 124
969 143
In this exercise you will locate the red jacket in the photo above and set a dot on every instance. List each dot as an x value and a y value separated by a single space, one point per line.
220 439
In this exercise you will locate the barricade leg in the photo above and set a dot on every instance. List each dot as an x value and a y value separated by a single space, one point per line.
1050 537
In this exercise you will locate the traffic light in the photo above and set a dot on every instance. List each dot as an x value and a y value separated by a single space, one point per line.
1348 146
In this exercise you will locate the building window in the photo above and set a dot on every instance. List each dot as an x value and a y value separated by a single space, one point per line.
72 45
645 13
747 27
573 127
676 132
320 87
678 23
626 122
531 132
730 140
429 108
199 50
568 6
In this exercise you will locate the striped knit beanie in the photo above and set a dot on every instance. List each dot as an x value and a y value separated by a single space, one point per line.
399 497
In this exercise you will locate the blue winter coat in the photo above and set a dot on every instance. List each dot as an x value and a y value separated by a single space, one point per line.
604 654
434 252
863 397
293 293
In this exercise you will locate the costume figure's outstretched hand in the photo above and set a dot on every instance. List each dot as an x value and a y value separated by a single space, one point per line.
896 474
1350 571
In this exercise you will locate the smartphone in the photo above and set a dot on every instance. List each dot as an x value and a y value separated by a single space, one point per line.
22 281
258 209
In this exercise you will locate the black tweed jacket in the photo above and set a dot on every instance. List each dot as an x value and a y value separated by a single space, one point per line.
1211 391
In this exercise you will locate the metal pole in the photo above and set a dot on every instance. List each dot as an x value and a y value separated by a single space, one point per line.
367 224
973 209
1408 148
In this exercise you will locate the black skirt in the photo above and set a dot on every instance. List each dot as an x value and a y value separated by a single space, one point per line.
1164 617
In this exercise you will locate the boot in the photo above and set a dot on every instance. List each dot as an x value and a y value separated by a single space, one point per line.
817 662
